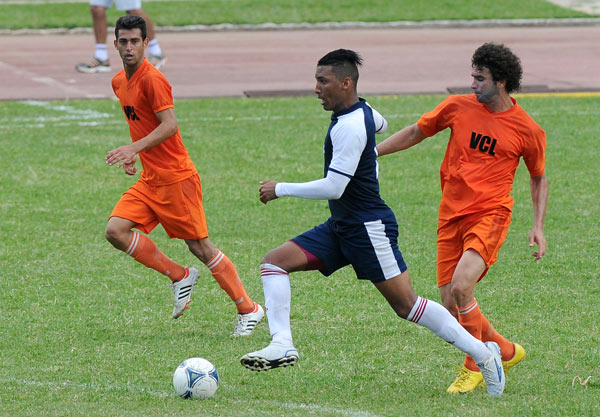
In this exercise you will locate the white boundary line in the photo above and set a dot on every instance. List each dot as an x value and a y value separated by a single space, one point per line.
71 116
68 90
133 389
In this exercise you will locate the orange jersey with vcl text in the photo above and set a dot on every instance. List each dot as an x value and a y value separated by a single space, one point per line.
145 94
483 153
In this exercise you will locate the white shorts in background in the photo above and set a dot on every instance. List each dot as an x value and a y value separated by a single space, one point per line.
122 5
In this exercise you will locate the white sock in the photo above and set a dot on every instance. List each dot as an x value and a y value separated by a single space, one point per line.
101 52
436 318
278 297
154 48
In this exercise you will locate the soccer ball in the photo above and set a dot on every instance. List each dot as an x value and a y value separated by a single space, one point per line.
196 378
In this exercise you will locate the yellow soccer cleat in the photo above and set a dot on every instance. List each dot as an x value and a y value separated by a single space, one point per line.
518 357
466 381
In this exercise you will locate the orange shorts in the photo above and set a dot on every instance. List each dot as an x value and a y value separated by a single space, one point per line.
483 232
177 207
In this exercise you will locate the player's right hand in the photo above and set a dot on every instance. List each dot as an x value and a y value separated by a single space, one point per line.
267 191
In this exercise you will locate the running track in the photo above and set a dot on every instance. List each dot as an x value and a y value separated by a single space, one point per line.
234 63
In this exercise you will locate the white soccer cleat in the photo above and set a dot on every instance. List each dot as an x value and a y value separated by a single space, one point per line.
273 356
246 323
93 66
492 371
182 292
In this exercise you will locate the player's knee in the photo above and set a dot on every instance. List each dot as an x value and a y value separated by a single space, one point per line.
459 291
272 258
202 249
114 236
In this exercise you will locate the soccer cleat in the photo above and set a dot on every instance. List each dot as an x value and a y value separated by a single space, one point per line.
492 371
246 322
182 292
273 356
158 61
466 381
518 357
93 66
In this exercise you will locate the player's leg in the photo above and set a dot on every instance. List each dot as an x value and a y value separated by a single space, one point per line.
486 237
100 61
375 254
274 270
316 249
466 249
399 293
100 27
141 248
139 207
459 296
225 273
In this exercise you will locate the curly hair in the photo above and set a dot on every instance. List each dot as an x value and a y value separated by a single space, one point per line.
502 63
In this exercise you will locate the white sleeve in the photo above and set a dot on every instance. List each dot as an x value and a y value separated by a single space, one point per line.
348 141
380 123
329 188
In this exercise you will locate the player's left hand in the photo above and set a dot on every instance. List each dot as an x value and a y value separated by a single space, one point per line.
129 169
537 236
124 154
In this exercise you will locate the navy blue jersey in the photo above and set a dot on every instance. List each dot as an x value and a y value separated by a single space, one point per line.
350 151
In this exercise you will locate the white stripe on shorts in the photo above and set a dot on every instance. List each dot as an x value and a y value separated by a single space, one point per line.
383 249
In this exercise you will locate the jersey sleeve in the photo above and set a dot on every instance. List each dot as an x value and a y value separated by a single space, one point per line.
534 152
348 143
159 93
116 83
439 118
380 123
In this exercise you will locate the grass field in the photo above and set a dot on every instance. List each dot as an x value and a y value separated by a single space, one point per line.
86 331
207 12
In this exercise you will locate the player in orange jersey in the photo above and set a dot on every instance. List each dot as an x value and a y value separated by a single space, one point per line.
490 132
169 190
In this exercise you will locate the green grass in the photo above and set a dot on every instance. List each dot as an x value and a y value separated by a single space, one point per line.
208 12
86 331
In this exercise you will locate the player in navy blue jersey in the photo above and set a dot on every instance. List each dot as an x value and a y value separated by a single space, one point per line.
362 230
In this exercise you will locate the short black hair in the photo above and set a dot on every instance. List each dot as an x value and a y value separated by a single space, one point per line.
344 63
502 63
131 21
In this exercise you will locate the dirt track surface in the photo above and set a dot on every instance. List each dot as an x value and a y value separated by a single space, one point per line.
217 64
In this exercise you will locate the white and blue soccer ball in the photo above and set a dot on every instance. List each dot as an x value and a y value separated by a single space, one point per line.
196 378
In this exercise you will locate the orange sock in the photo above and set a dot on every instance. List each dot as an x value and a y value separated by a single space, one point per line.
469 317
223 270
143 250
507 348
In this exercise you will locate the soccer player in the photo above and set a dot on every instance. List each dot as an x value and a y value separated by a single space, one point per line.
362 230
490 132
100 62
169 190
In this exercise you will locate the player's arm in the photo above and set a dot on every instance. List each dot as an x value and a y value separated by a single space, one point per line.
402 139
539 195
348 143
329 188
127 154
